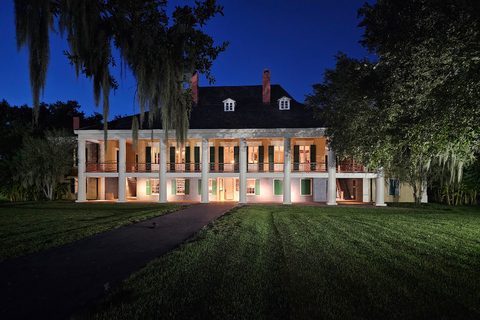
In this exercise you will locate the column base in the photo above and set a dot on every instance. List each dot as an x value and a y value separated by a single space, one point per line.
121 201
332 203
162 201
80 201
380 204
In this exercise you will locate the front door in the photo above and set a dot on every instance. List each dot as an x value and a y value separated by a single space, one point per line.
229 186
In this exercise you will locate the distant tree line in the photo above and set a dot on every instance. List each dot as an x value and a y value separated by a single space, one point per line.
36 158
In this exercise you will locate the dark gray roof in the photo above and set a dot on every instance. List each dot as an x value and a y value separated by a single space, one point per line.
250 112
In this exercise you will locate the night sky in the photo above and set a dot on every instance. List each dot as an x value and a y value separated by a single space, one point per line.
295 40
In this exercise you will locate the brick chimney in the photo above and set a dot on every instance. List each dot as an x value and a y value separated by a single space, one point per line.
76 123
195 88
266 86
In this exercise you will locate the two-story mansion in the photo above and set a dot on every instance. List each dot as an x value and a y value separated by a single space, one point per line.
250 144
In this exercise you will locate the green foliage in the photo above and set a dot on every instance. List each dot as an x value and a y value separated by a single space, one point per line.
44 162
16 125
162 54
417 106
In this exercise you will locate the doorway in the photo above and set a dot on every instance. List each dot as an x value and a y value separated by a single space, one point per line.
228 189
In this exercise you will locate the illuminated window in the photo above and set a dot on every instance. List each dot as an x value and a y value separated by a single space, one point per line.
250 186
180 186
152 187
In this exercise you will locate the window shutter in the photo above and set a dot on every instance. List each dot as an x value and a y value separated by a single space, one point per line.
172 158
72 185
212 158
199 186
296 157
277 187
313 157
196 151
174 187
305 186
257 187
271 159
236 156
187 158
148 189
214 186
397 187
260 158
220 158
391 187
187 186
148 158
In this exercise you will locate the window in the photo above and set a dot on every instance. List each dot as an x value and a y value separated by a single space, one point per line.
180 186
155 186
152 187
229 105
306 187
252 154
304 154
250 186
394 187
277 187
284 103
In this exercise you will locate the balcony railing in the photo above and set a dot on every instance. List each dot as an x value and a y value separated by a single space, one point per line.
141 167
101 167
224 167
350 166
183 167
265 167
309 167
342 166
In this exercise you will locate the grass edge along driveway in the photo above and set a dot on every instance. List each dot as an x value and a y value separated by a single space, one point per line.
28 227
279 262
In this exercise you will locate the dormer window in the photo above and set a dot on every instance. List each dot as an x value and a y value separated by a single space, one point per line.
229 105
284 103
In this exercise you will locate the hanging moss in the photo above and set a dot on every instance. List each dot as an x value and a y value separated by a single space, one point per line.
161 54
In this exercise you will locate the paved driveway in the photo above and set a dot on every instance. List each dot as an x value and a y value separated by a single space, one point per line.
58 282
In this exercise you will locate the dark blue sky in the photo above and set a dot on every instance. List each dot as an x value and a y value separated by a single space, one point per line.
296 40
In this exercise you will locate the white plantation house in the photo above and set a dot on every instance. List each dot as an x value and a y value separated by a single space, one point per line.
251 144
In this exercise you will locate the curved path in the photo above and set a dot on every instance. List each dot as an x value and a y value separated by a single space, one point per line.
61 281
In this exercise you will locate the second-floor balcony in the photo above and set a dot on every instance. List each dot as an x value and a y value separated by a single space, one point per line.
101 167
342 166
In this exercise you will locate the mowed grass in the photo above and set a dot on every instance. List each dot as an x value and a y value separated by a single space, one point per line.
278 262
27 227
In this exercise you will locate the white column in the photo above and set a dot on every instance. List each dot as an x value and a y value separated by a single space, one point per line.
101 186
162 172
365 190
332 178
81 195
243 171
380 189
122 190
205 169
287 168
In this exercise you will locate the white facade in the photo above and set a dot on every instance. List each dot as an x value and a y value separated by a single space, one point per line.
169 174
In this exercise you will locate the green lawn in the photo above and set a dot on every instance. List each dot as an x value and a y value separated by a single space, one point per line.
279 262
27 227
